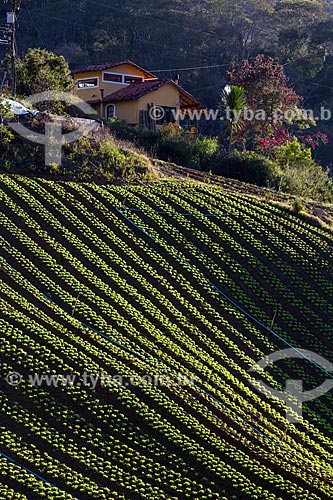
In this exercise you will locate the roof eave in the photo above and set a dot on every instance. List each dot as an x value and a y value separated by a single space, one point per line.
102 67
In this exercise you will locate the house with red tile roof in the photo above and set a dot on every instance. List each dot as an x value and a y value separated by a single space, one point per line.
131 93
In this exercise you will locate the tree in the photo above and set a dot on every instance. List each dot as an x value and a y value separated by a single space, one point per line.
232 104
201 38
300 174
40 70
245 26
297 23
274 104
6 135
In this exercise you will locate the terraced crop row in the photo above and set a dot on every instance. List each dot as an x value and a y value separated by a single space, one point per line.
70 259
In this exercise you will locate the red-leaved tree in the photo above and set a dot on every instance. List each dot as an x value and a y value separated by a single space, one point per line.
273 103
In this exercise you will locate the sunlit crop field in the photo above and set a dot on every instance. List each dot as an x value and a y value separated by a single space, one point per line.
180 280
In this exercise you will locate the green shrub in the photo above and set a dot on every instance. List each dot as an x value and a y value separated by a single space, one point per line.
6 135
175 145
204 150
106 157
294 170
246 166
139 136
95 156
170 143
298 205
300 174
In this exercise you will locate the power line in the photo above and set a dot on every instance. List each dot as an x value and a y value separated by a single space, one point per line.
11 21
65 20
322 85
155 19
148 42
69 21
240 308
216 288
146 16
33 23
168 370
143 41
37 476
188 69
208 87
127 13
75 23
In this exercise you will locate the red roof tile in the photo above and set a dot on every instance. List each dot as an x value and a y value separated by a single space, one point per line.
136 90
107 65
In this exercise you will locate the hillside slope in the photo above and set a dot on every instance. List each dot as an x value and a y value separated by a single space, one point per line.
175 280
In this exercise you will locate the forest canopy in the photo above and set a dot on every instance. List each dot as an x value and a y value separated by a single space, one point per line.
201 40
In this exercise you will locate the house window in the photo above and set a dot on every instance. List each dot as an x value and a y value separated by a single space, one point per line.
169 115
133 79
120 78
87 83
112 77
110 111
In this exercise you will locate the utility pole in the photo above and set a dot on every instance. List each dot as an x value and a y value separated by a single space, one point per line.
4 41
11 21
